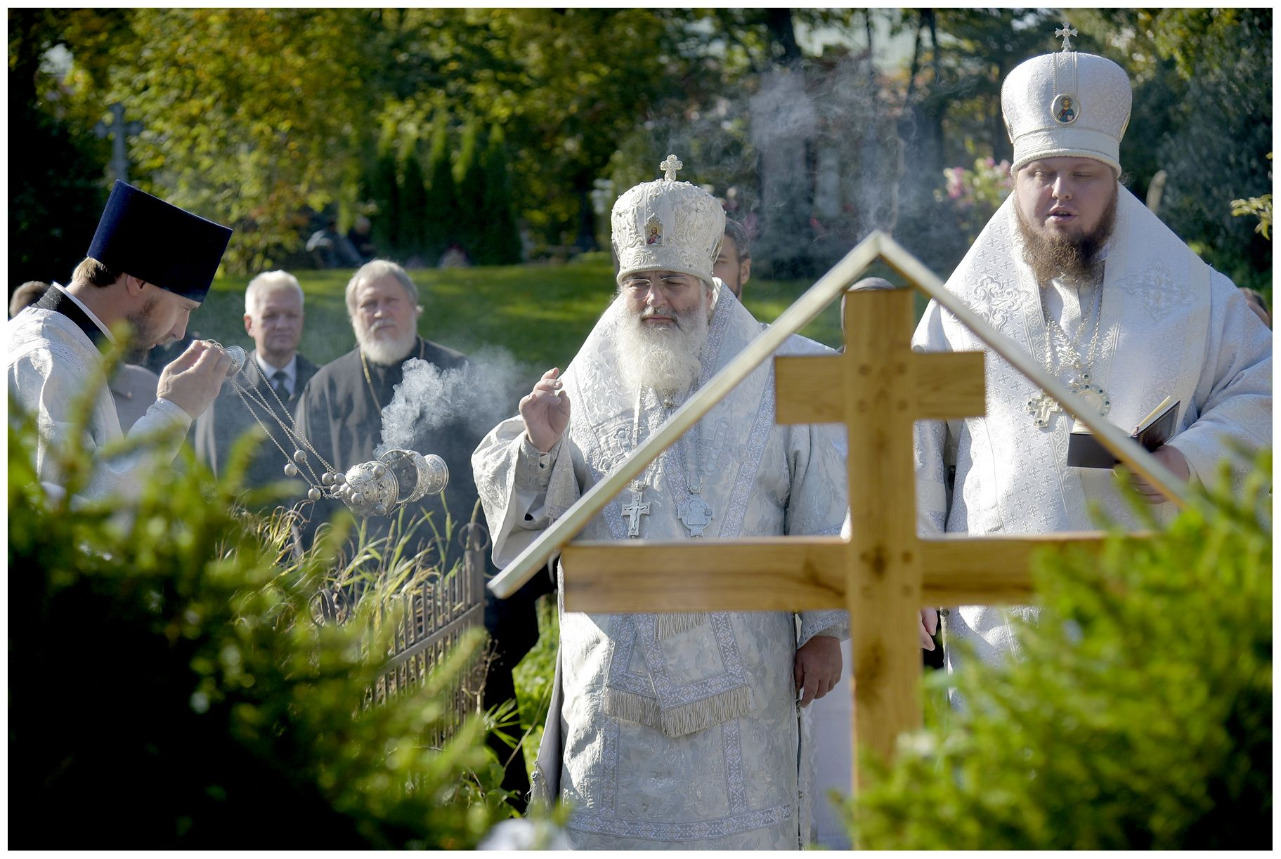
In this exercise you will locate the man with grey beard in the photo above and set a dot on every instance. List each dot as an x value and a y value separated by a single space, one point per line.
1081 275
671 730
341 413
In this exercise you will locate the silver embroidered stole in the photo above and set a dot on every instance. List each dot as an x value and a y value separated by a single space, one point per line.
675 672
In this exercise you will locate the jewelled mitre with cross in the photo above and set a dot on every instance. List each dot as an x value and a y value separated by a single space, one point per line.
667 225
1066 104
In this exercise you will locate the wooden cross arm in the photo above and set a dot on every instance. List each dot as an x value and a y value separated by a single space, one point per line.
961 570
948 385
760 574
787 573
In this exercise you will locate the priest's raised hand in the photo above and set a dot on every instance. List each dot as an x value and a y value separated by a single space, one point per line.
545 411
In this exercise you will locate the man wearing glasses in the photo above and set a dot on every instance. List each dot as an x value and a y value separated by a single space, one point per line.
671 730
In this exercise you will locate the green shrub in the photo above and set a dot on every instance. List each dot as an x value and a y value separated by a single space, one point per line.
1139 719
169 689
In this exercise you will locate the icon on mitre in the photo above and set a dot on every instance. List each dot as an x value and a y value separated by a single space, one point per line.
1064 110
653 231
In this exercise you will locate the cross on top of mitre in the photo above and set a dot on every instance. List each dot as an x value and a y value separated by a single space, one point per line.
669 168
1066 32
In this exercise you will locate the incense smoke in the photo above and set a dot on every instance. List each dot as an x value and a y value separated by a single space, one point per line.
476 396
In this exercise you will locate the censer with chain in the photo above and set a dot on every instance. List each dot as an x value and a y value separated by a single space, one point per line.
373 488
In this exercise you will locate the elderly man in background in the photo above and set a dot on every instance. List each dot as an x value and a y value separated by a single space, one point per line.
272 380
671 730
1080 274
340 410
149 266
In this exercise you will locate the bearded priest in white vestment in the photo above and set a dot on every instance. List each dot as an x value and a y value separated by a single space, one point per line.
1081 275
671 730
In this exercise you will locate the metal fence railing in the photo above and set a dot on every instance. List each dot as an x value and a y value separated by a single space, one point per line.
430 620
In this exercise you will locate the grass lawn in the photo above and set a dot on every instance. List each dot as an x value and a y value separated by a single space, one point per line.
539 313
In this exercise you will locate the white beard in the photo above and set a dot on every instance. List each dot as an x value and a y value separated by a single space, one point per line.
382 351
665 359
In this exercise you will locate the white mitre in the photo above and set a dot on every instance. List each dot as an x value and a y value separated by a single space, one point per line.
1066 104
667 225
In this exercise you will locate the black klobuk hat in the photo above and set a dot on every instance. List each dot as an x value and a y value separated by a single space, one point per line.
155 241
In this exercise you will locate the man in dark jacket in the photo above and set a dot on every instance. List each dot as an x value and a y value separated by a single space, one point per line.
267 389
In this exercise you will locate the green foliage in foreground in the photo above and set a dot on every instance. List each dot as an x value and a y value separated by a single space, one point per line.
169 690
1141 717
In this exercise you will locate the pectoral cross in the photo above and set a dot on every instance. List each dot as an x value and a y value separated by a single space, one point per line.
635 510
1066 32
1042 409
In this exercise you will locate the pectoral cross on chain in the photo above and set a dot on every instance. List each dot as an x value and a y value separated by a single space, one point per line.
1042 409
635 510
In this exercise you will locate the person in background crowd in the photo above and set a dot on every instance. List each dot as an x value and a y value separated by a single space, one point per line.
275 369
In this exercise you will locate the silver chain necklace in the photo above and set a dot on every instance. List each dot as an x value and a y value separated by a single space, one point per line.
1043 407
694 512
637 506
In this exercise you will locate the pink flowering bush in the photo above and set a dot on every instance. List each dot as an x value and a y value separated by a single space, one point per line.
974 195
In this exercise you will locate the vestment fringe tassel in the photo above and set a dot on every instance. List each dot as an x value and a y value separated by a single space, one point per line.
631 707
701 715
677 622
685 719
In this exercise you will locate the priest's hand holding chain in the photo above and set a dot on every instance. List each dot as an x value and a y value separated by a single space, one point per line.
545 411
194 378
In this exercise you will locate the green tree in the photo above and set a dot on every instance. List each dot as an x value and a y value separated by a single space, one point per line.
197 705
500 241
441 210
413 210
56 189
384 187
1227 111
470 176
246 118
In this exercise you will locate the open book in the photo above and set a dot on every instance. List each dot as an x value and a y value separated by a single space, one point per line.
1085 451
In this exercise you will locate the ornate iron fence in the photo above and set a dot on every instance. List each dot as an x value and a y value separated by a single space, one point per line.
430 619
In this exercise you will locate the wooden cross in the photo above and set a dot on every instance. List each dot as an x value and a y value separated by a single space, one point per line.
884 573
878 388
